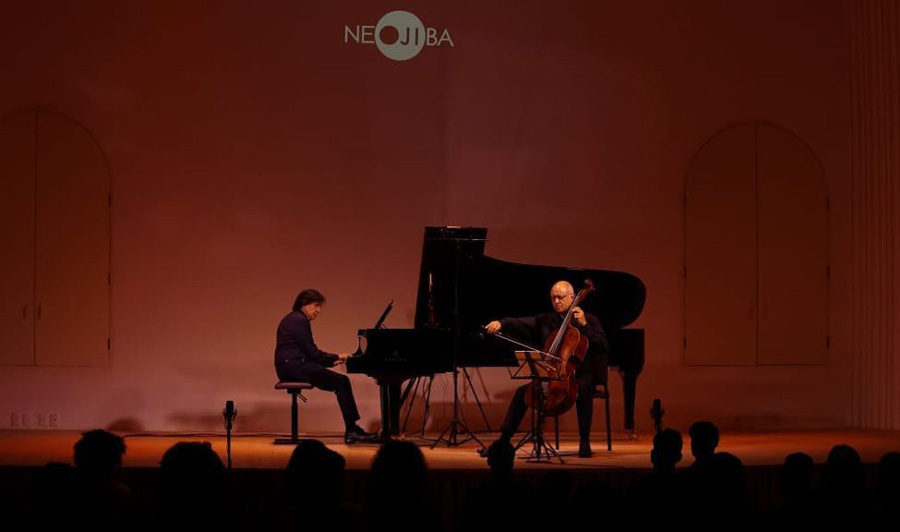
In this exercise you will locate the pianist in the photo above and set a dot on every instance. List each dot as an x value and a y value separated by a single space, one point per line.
298 359
591 372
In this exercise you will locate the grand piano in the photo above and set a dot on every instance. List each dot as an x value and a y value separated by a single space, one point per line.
461 289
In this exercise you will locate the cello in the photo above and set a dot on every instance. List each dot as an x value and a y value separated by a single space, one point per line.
564 350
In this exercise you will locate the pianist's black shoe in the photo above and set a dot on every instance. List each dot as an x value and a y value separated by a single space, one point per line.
356 434
584 449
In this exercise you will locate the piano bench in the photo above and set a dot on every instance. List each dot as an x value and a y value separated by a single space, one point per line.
295 389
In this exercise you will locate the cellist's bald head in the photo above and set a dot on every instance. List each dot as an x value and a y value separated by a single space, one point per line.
564 286
561 296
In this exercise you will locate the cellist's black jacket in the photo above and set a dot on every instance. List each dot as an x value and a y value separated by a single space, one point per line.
535 330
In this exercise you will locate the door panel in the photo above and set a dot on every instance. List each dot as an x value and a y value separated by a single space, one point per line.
72 245
720 252
793 251
17 145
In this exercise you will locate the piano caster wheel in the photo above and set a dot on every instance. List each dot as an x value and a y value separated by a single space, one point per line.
633 435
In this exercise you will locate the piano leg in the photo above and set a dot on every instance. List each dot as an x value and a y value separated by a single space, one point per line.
390 410
386 417
395 404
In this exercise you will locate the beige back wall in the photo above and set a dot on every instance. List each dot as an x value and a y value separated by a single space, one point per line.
255 153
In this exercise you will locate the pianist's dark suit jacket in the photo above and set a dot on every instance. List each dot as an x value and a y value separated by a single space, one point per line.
294 343
535 330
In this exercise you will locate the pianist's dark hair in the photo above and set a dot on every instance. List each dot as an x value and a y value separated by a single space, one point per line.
308 296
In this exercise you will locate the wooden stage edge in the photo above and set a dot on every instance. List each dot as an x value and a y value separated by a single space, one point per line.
30 448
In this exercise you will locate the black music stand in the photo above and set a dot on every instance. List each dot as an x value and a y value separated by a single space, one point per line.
426 398
414 383
535 369
450 435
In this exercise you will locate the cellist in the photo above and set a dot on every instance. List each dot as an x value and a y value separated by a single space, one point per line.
590 372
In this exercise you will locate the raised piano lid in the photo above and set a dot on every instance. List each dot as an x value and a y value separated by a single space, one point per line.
490 288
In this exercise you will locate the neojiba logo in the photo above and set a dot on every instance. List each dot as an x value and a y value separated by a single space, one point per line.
399 35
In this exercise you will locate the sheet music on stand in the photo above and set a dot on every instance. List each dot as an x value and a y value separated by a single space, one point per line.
533 366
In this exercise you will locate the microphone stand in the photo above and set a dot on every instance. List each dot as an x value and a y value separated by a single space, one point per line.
229 413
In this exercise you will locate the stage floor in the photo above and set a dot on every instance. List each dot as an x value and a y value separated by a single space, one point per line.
256 451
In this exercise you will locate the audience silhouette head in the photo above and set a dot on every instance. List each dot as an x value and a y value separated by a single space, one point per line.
843 469
99 452
191 486
315 469
704 440
398 482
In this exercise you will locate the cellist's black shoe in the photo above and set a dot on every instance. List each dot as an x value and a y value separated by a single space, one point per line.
584 449
483 451
356 434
